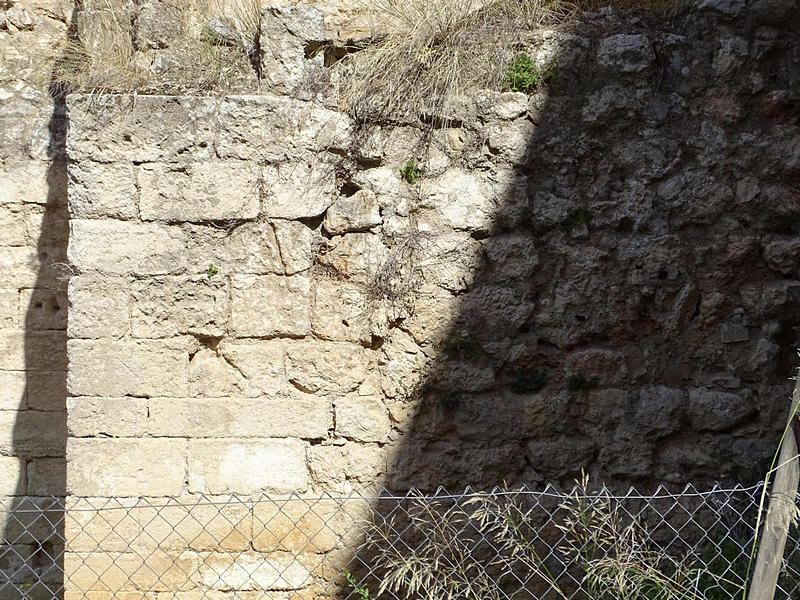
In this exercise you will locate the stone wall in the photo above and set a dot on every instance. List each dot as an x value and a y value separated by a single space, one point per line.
33 291
601 275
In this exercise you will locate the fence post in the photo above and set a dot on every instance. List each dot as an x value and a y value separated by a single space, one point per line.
781 510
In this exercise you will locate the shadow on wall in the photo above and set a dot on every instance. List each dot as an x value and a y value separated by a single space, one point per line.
634 311
31 556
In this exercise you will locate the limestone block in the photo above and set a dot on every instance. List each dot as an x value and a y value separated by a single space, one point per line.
270 305
47 225
355 256
298 190
251 571
47 477
13 391
501 105
511 256
244 248
294 241
359 212
561 457
462 199
99 307
212 376
340 468
448 260
32 350
132 523
33 520
297 525
13 219
43 308
32 433
169 306
362 418
254 127
606 366
47 390
341 311
625 53
284 63
125 574
125 467
295 416
119 368
782 255
226 466
205 191
121 248
13 480
260 362
716 411
383 181
106 417
122 128
26 181
318 129
659 410
98 190
327 367
27 267
158 23
9 309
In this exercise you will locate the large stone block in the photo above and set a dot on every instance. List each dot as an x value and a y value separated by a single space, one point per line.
99 307
13 480
362 418
328 367
298 190
205 191
32 350
26 181
47 390
121 128
125 467
106 417
121 248
270 305
119 368
714 410
294 241
148 523
47 477
243 466
98 190
285 65
251 571
299 525
43 308
170 306
462 200
355 256
32 433
296 416
260 362
13 390
28 267
341 311
9 309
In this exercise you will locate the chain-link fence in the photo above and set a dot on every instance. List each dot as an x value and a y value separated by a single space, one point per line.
496 545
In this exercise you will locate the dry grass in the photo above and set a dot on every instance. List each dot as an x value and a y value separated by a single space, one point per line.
102 53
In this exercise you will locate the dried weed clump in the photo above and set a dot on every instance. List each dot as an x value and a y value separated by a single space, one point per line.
206 50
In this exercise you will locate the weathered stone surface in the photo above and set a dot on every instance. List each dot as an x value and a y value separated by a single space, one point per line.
47 390
43 308
46 477
725 7
106 417
347 467
362 418
299 526
298 190
13 391
783 256
102 467
199 191
294 241
166 307
247 466
284 63
270 305
295 416
355 256
327 367
560 458
120 248
9 308
32 350
341 311
98 190
359 212
715 411
461 199
13 480
252 571
32 433
627 53
137 368
659 410
260 362
99 307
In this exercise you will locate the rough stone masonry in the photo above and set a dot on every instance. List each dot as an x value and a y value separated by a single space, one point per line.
601 275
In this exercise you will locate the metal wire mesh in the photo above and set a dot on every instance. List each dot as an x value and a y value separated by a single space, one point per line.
330 546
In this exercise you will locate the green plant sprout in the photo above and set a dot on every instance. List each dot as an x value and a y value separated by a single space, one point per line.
523 75
411 172
361 591
212 270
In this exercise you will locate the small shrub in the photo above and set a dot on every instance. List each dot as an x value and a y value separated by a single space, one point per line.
361 591
529 382
579 382
212 270
523 75
411 172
